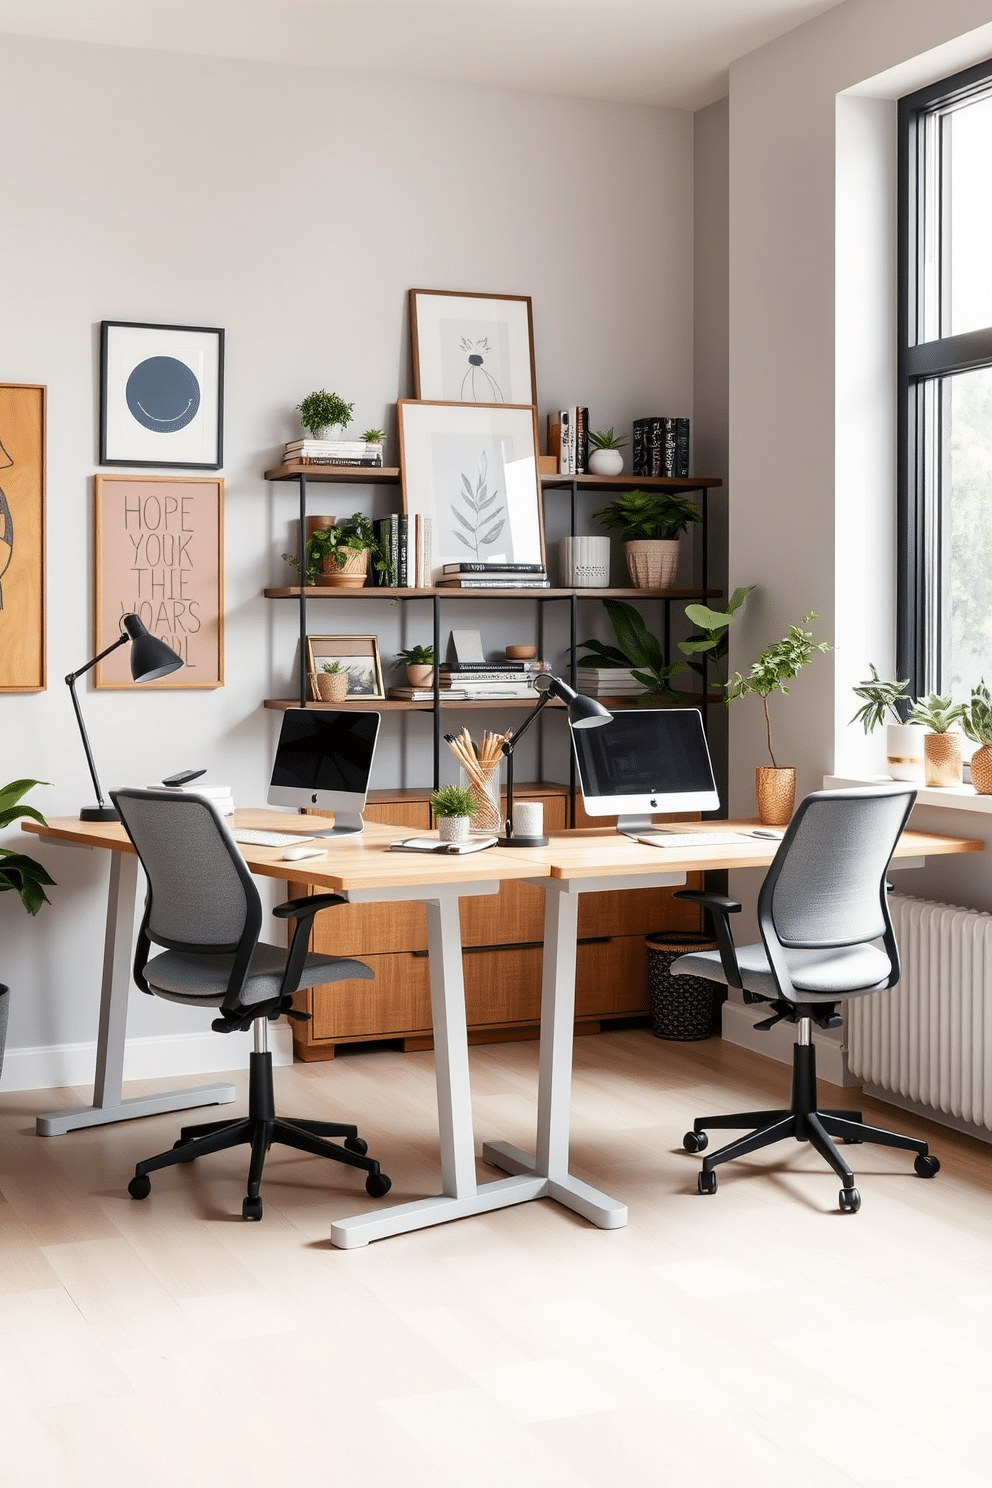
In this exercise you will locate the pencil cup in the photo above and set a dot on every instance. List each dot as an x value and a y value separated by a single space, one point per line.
484 789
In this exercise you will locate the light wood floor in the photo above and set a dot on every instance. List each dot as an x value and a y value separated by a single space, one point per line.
756 1337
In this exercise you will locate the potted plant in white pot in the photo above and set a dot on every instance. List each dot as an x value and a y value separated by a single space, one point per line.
903 741
322 412
650 524
452 807
942 765
778 664
419 663
978 726
606 452
24 875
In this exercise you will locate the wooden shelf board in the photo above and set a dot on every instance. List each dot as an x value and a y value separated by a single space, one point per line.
448 705
353 475
629 482
323 591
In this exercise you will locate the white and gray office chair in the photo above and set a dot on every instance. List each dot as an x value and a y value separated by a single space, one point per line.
822 912
203 909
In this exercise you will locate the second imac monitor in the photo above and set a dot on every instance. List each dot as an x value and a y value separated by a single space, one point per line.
644 762
324 759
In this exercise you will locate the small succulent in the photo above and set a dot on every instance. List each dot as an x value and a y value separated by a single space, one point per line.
331 667
417 656
936 713
452 800
606 439
374 436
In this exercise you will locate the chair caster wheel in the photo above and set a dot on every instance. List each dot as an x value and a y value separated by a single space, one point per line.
926 1166
357 1144
140 1186
706 1182
695 1141
251 1208
377 1185
850 1201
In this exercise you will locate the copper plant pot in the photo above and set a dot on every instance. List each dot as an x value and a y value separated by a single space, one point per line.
775 790
981 770
942 760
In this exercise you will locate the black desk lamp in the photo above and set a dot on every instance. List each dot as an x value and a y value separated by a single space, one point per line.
150 659
583 712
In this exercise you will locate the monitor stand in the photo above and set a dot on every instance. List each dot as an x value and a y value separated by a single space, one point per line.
345 825
633 826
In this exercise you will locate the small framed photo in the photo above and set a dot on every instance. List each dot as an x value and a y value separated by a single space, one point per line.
357 655
472 348
161 395
472 469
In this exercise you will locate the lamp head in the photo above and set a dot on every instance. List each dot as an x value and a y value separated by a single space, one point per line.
583 712
150 657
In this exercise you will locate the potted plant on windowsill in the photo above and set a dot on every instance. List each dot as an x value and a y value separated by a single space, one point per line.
778 664
942 767
606 454
20 873
419 663
978 727
903 741
650 524
452 807
322 412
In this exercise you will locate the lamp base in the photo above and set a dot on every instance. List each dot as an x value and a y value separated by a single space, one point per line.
99 813
523 841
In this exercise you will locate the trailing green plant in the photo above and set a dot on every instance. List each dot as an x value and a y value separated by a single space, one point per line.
452 800
936 713
880 700
324 410
711 637
417 656
374 436
777 665
637 649
639 515
355 534
606 439
977 722
24 875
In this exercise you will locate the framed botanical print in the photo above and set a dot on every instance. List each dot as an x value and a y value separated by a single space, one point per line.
472 348
356 655
160 556
161 395
22 537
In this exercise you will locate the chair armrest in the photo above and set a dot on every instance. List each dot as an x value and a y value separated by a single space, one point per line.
721 908
294 908
303 912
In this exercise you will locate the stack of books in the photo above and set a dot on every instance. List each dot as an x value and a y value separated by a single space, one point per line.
661 446
568 440
607 682
408 542
332 452
495 576
489 679
426 694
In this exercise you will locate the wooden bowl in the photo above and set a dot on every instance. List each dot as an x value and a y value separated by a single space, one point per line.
521 653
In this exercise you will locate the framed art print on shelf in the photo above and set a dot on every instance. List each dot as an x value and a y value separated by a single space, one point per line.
357 655
160 556
472 348
161 395
472 469
22 537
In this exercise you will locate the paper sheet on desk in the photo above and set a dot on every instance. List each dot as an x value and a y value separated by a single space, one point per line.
435 845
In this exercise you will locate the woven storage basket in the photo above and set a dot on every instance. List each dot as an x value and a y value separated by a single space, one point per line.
682 1007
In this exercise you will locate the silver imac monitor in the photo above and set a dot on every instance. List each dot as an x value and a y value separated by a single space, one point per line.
324 759
645 761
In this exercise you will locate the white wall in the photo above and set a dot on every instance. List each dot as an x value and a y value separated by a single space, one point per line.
294 208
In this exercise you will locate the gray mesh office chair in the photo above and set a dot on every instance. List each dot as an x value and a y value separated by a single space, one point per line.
821 910
203 909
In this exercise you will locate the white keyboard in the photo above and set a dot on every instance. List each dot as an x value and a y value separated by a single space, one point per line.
693 839
269 839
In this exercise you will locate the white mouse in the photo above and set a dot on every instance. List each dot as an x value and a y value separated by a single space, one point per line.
293 854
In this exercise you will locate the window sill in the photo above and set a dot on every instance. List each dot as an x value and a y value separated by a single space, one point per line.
955 798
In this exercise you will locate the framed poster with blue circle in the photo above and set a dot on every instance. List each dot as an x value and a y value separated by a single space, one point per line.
161 395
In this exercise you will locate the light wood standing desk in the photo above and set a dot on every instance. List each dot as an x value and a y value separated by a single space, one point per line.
365 870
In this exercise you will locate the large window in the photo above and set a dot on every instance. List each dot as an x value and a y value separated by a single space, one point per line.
945 369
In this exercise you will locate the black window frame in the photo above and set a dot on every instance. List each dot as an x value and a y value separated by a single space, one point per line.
922 401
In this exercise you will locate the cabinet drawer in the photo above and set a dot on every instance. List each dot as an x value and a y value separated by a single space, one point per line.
611 978
638 911
398 1001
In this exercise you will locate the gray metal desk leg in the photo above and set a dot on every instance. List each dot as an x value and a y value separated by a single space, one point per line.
107 1102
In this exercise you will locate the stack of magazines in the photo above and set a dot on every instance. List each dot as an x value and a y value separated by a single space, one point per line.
495 576
607 682
332 452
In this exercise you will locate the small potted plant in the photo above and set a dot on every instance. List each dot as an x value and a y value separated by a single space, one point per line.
339 554
978 727
778 664
374 437
452 806
605 457
419 663
321 413
903 741
24 875
650 524
331 682
942 767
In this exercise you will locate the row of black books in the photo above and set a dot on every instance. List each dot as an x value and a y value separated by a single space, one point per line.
568 440
407 540
494 576
661 447
332 452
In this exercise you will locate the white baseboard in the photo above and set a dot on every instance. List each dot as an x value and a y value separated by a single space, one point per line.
776 1043
52 1066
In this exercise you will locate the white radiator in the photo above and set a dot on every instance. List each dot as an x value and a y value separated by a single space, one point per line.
929 1040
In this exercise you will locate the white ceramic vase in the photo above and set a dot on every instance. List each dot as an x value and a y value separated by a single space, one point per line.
904 750
584 562
605 462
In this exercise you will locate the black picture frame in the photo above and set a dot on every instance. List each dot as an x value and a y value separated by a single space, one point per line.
161 395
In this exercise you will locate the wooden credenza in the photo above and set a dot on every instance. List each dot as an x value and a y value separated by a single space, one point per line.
502 936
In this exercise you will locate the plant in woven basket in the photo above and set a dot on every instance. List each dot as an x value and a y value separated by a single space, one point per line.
779 664
936 713
637 649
